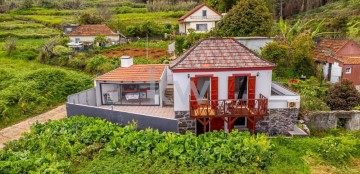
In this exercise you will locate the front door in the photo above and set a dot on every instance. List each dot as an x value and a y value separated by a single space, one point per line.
216 124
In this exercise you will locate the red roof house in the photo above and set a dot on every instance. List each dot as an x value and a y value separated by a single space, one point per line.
219 77
341 59
202 18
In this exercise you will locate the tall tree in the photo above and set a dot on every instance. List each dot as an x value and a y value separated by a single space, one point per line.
246 18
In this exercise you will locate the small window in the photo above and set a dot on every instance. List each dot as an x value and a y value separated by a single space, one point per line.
77 40
204 13
348 70
201 27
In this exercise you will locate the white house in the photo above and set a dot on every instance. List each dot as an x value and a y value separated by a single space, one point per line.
85 34
201 19
218 84
222 77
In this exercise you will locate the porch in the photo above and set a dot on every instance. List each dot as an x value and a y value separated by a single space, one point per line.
229 110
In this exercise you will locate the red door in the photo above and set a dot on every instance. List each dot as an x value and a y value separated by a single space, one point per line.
215 123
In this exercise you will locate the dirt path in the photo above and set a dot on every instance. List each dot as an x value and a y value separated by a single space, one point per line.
14 132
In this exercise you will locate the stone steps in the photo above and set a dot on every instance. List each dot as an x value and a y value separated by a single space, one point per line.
169 94
297 132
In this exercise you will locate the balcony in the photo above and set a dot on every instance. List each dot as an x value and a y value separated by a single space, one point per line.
229 108
213 17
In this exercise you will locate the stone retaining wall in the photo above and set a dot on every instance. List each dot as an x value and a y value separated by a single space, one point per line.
330 119
279 121
185 122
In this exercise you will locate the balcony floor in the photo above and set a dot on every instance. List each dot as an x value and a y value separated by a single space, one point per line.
156 111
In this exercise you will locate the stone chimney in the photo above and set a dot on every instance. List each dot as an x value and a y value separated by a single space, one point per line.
126 61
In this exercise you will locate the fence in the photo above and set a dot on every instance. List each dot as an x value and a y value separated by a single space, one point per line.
87 97
120 117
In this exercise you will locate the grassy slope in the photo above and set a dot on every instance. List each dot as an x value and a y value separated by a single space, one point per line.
334 13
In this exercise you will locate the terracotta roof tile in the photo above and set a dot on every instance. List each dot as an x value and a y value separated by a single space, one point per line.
219 53
135 73
182 18
93 30
328 48
348 60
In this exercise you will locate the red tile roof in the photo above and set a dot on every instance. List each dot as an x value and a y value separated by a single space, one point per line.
93 30
135 73
328 48
182 18
219 53
349 60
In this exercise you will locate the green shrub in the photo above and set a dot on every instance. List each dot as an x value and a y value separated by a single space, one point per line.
60 50
54 145
25 94
98 64
336 149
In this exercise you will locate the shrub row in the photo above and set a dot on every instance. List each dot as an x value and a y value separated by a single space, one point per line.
25 94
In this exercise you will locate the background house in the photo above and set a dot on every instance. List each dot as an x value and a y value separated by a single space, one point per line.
340 60
202 19
85 35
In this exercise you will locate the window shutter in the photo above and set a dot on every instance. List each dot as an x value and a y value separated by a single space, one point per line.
214 91
193 81
251 91
231 87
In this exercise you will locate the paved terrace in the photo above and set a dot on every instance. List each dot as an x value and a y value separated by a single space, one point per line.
156 111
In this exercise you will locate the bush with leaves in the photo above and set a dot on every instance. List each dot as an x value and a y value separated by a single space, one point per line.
343 96
23 95
10 45
246 18
278 54
99 64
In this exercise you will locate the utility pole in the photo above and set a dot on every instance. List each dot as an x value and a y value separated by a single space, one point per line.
281 8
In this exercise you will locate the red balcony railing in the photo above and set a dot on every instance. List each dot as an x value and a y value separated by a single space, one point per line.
229 108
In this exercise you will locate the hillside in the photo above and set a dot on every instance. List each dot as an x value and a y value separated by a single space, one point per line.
341 17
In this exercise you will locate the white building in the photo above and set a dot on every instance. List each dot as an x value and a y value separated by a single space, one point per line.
218 84
201 19
85 34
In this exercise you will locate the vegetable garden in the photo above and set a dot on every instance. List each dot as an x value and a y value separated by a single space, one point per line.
91 145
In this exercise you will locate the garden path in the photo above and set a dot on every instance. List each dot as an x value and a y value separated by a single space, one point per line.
14 132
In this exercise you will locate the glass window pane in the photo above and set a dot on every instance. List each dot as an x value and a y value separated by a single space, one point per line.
110 94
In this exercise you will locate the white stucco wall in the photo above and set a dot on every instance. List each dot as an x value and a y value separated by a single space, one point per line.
182 85
196 18
281 101
92 38
335 73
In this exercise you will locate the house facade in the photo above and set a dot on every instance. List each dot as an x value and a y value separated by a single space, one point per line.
86 34
220 84
201 19
340 60
131 85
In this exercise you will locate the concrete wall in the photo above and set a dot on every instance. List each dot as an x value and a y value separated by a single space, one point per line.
254 43
162 86
182 85
329 119
143 121
86 97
